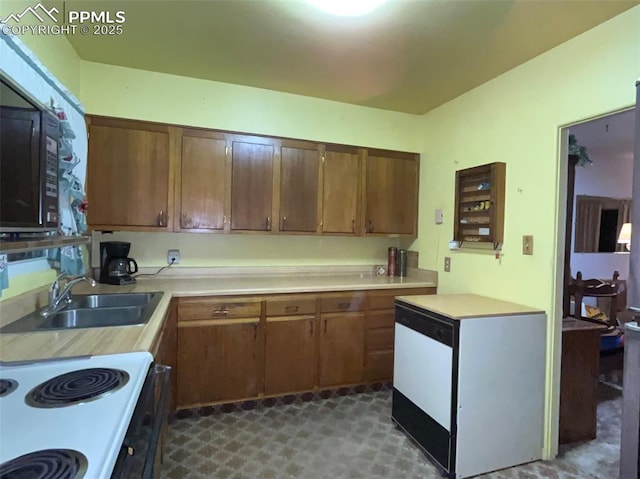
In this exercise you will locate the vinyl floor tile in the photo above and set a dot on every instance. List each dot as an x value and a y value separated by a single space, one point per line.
349 437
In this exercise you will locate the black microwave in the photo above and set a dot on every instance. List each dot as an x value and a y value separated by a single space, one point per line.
29 141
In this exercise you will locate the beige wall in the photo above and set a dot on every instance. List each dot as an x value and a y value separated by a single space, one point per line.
128 93
516 118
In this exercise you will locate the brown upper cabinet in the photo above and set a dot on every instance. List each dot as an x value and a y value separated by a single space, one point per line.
391 192
201 180
341 190
252 167
299 180
141 173
129 178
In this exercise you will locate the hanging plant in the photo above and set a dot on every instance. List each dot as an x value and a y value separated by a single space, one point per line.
581 151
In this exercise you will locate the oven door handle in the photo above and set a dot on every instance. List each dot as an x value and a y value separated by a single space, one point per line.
159 418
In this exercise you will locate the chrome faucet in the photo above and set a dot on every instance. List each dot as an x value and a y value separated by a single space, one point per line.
59 299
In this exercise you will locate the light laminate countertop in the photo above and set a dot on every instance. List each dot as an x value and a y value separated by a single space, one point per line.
94 341
464 306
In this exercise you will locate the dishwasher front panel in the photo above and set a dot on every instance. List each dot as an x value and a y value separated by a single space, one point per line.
422 372
430 436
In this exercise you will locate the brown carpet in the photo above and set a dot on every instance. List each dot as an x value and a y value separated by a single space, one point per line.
351 437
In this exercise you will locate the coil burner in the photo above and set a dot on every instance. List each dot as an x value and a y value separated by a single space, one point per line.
46 464
76 387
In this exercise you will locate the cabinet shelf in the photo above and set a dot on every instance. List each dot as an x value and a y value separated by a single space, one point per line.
477 221
21 246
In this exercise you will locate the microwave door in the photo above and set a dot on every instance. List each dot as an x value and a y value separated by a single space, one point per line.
20 175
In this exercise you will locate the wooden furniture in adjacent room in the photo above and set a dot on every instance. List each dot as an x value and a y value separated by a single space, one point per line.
579 380
595 288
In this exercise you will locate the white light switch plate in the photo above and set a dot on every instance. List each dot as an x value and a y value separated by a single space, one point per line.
439 216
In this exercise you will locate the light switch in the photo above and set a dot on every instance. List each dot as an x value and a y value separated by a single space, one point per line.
439 216
527 244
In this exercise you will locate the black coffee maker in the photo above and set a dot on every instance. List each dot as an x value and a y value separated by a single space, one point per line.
115 265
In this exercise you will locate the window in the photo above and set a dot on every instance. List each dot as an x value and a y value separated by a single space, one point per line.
598 223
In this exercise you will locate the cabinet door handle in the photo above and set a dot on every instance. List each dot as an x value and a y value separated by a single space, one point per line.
217 312
224 219
370 228
161 218
255 330
344 305
284 223
186 222
311 326
325 326
291 309
268 223
353 226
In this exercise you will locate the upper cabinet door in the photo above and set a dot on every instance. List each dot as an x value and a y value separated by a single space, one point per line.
299 168
341 180
202 180
252 183
391 193
128 177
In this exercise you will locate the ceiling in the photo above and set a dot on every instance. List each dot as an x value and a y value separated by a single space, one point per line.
610 137
408 55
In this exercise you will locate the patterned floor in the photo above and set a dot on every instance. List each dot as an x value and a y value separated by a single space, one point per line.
350 437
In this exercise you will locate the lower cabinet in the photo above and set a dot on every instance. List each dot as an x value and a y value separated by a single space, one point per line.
341 349
379 338
290 359
218 360
238 348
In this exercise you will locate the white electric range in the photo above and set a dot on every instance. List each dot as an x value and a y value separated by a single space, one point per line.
78 417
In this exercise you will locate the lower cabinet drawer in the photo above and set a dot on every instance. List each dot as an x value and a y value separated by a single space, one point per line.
379 365
220 308
340 303
287 307
381 319
380 339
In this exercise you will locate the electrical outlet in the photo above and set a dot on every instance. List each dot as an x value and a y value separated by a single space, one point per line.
527 244
173 256
447 264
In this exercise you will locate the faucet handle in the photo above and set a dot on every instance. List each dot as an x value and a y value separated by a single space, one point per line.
54 290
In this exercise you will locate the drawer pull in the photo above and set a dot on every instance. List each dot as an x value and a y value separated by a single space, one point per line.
311 326
217 312
291 309
344 305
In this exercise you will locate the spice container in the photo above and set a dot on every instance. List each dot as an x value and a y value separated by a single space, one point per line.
402 263
392 259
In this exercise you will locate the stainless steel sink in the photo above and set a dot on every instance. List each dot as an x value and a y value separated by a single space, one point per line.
92 311
93 301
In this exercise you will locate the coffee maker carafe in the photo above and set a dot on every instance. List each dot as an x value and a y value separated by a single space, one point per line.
115 265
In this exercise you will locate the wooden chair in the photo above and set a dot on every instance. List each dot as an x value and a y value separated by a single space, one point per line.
597 288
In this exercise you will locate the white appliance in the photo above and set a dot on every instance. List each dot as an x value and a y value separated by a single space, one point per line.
630 437
470 392
34 418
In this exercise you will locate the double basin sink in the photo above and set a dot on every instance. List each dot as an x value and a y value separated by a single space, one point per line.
92 311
